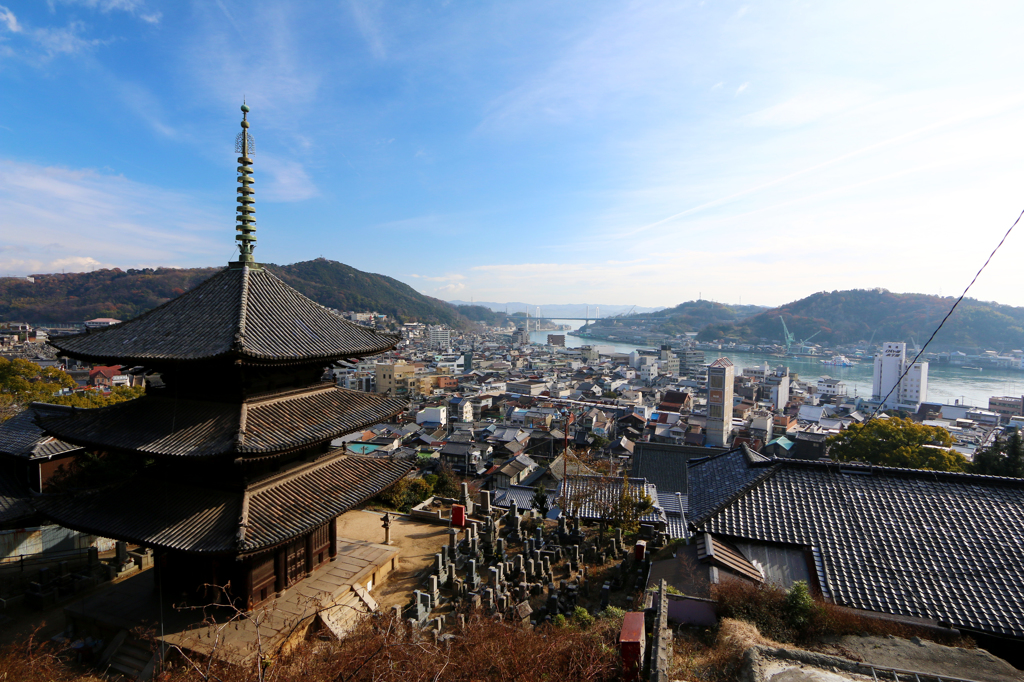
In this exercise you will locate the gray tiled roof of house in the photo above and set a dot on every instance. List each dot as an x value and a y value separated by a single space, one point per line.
13 500
675 507
20 436
718 478
924 544
239 312
665 465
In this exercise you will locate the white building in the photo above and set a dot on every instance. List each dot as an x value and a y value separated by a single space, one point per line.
890 364
432 415
831 386
440 337
648 373
720 387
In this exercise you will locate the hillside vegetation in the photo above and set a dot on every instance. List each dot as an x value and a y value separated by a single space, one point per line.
856 315
690 316
74 297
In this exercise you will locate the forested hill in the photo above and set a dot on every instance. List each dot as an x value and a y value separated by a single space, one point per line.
74 297
859 314
690 316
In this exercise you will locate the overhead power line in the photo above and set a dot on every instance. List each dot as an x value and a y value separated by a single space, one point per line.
955 304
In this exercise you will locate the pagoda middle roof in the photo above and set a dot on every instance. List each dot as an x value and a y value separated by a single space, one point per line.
239 313
165 425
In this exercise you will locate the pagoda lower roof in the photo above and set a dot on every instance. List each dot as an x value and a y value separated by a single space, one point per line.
240 313
164 425
186 517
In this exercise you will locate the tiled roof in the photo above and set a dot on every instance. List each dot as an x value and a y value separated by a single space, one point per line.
571 466
665 465
21 437
163 425
924 544
718 478
675 508
13 499
186 517
240 313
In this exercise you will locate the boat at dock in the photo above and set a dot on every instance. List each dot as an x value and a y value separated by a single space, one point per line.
838 361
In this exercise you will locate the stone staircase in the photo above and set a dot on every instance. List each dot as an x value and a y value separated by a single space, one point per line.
340 618
128 658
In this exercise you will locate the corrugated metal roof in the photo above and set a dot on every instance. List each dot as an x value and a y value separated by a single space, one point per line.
589 497
523 497
239 312
160 425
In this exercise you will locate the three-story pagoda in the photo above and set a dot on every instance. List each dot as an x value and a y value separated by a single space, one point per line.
241 483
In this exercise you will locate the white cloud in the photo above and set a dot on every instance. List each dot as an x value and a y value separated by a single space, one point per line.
53 217
365 14
289 181
807 107
7 18
133 7
742 87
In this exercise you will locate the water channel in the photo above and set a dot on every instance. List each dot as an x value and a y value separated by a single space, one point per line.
946 383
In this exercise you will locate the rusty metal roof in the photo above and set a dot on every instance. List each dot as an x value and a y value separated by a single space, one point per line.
164 425
162 512
242 313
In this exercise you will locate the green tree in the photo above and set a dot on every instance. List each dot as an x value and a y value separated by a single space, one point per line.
1004 458
23 382
540 500
448 483
627 510
896 442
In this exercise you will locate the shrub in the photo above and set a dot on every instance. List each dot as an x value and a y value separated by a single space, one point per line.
612 612
559 621
799 606
582 618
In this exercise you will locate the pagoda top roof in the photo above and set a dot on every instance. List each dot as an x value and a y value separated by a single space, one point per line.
240 313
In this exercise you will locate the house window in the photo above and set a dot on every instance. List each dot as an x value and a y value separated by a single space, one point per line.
715 411
717 381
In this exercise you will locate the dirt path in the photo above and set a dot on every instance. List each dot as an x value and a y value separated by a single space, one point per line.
417 541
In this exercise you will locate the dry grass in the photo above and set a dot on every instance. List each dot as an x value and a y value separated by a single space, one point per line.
714 654
383 650
758 615
765 606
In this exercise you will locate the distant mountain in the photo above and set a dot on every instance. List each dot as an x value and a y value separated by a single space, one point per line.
846 317
556 310
483 315
74 297
691 316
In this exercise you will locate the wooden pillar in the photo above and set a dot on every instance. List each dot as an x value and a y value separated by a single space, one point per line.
332 533
247 599
280 570
309 553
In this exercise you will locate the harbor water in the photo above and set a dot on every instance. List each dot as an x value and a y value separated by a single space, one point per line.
946 383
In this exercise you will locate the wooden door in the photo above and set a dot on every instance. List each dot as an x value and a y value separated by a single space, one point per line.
295 561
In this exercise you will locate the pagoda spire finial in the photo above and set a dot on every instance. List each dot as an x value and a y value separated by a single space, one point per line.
245 220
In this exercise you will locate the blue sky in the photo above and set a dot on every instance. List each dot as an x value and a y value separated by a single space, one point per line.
610 152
